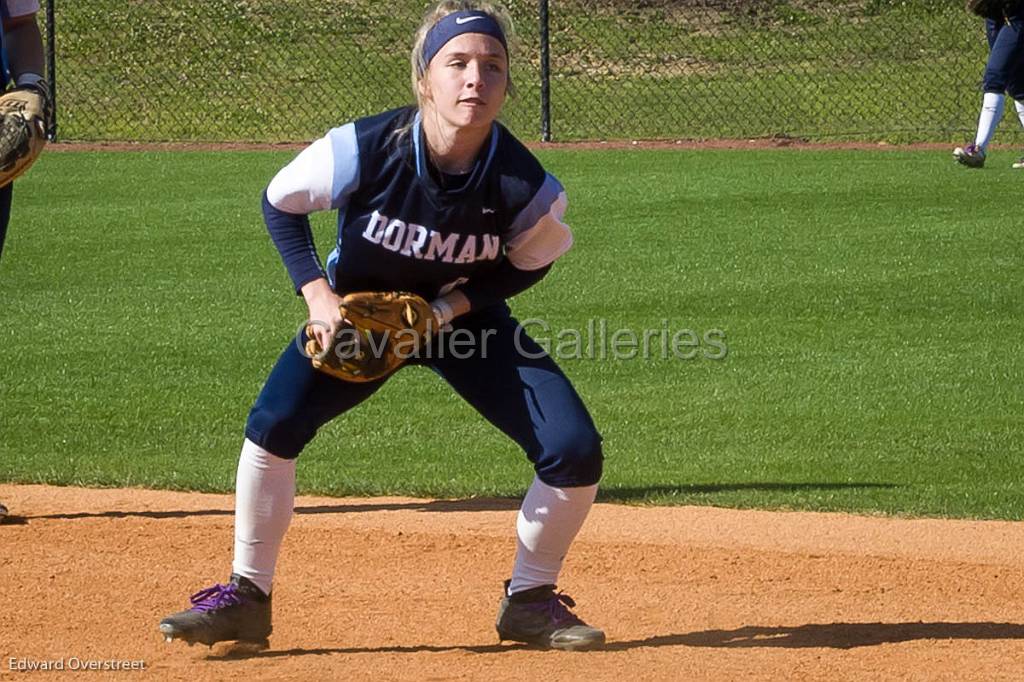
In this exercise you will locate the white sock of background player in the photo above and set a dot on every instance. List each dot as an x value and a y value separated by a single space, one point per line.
264 501
548 521
1019 106
991 113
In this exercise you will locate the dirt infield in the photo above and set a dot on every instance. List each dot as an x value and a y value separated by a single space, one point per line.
407 589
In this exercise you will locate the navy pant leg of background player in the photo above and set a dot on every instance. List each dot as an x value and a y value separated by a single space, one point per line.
1007 45
524 394
6 192
1015 79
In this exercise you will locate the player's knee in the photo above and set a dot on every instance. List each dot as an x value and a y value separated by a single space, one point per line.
994 82
278 431
574 460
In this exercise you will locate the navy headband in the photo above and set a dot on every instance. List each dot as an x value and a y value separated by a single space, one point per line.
455 24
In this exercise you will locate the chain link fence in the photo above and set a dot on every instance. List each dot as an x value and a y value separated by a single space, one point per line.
287 70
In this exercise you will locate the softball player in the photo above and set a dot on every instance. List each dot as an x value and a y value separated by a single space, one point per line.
1004 73
21 47
24 62
441 200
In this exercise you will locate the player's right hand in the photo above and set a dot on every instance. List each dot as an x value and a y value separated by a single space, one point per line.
324 312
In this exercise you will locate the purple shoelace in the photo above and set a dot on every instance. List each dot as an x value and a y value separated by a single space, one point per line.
215 597
557 609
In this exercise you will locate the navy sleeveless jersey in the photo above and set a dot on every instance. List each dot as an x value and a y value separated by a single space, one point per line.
399 228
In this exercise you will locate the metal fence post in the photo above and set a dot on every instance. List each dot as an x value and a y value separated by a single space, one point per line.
51 65
545 75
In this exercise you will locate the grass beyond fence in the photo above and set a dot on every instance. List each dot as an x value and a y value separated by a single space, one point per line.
872 310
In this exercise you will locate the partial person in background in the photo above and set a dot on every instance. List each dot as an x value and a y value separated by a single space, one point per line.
23 63
1004 73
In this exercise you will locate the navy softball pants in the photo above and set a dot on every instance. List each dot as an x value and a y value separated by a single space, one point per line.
508 379
6 192
1004 71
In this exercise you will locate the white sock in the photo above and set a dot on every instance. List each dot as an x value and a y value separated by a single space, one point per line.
991 113
264 500
548 522
1019 106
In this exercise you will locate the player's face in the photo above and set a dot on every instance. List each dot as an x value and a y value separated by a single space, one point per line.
467 79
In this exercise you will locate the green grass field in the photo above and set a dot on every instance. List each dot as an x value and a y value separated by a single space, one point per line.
872 304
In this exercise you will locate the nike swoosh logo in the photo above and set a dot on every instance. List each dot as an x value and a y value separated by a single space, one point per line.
488 210
465 20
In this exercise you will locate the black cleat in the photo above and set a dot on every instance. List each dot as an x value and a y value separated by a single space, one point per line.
540 617
970 155
238 611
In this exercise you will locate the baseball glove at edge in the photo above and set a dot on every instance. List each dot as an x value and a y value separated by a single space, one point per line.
382 330
24 113
986 8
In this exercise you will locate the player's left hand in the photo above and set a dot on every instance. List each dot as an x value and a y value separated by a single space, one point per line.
382 330
25 113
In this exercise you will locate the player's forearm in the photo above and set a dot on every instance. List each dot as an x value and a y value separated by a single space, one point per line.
293 238
451 305
504 281
317 290
24 46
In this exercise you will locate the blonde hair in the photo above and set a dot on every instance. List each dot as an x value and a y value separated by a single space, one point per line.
439 12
